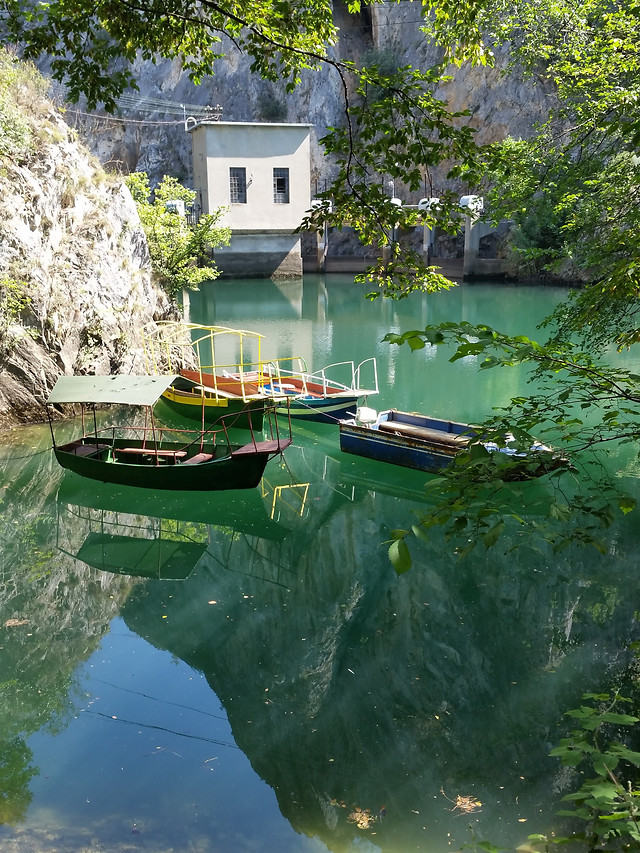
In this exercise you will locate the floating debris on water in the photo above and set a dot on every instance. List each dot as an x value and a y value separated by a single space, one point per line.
464 805
362 818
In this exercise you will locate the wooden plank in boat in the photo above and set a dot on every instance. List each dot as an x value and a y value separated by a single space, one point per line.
77 448
199 457
415 431
149 451
271 446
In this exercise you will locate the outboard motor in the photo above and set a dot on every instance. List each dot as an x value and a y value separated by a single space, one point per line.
366 416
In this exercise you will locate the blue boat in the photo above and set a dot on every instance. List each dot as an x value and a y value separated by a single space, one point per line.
430 444
327 396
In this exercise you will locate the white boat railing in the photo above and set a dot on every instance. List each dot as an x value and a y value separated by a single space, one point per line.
357 386
326 378
178 346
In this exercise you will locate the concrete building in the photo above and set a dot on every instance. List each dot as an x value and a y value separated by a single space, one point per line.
262 174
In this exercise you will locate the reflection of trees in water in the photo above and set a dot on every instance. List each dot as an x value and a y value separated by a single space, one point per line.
53 614
15 774
346 686
353 687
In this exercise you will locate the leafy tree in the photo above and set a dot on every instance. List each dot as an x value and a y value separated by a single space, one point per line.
178 250
573 191
482 491
607 803
576 182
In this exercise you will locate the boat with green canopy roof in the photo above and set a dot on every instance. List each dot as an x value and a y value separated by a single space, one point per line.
150 455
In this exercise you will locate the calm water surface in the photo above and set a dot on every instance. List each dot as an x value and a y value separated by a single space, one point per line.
244 671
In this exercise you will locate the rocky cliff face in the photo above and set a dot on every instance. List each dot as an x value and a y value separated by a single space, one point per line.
75 278
152 138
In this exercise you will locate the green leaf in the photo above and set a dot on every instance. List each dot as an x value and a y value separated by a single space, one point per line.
398 533
420 532
491 537
626 504
400 556
490 848
619 719
416 343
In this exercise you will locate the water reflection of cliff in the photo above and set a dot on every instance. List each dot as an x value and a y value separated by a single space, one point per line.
345 686
350 688
52 616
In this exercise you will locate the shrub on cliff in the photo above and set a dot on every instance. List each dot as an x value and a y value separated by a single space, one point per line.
180 252
15 134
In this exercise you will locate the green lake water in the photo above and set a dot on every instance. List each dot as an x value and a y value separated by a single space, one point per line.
243 671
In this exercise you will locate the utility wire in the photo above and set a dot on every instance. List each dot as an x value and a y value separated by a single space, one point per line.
145 104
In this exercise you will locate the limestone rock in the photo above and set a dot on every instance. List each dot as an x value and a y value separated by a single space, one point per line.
156 142
73 253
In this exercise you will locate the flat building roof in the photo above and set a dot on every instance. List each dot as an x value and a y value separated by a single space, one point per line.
215 123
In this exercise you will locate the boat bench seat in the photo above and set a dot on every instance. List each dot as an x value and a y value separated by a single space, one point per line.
199 457
271 446
231 386
150 451
84 449
80 449
415 431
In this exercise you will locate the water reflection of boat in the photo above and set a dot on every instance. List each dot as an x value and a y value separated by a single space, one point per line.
242 511
164 537
316 455
161 554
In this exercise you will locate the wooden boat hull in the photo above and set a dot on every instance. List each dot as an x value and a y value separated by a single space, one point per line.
394 449
327 410
125 463
430 444
245 414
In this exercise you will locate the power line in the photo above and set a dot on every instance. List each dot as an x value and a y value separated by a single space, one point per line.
146 104
108 118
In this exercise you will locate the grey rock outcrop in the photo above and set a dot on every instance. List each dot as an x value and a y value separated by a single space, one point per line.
499 103
74 271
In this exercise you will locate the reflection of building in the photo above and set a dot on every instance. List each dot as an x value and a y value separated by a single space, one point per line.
262 174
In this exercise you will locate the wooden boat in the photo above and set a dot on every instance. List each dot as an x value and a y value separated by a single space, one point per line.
154 457
189 397
326 396
430 444
203 357
222 369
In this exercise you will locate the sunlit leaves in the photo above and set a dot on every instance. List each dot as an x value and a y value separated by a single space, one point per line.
88 39
572 188
606 801
178 250
480 496
400 556
394 127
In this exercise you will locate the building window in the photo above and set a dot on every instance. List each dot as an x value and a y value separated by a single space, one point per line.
238 185
281 186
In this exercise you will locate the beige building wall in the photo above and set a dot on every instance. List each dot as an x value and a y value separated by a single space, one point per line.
258 148
262 222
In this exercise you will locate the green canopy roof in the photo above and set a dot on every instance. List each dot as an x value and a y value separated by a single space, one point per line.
127 390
